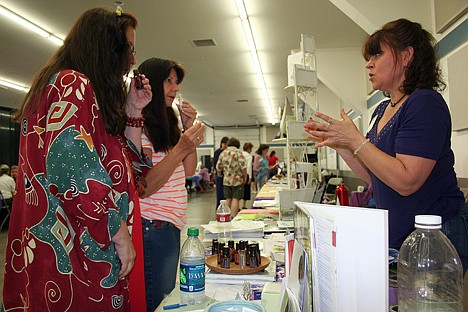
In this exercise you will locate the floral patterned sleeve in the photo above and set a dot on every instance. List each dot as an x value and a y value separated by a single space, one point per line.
141 164
85 166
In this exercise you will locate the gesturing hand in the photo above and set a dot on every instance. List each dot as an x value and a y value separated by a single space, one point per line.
333 133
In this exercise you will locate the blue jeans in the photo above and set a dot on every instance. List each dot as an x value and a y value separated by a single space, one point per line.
456 230
161 244
195 178
219 190
261 179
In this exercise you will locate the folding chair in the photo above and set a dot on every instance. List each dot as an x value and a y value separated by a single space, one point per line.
189 185
4 206
331 187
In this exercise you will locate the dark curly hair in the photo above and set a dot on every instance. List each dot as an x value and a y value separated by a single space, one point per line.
423 71
234 142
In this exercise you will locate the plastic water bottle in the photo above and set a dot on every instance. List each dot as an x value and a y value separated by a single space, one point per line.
430 273
223 219
192 269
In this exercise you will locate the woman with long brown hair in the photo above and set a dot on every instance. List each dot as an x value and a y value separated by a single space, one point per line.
172 149
69 245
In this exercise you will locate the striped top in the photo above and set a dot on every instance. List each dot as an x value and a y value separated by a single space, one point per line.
169 203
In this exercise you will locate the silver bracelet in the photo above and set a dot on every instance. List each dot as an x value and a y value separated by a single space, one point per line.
356 151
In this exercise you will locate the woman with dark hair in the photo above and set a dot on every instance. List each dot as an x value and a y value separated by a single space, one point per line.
174 157
272 164
69 245
406 155
260 166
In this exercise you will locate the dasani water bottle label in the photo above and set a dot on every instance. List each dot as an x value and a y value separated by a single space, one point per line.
192 277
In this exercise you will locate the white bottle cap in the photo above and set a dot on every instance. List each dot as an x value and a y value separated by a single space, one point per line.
222 201
428 222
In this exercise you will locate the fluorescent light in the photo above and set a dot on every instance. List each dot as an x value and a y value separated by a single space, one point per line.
55 40
244 17
13 85
30 25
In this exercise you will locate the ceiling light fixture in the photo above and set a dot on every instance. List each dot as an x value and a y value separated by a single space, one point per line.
30 25
244 17
13 85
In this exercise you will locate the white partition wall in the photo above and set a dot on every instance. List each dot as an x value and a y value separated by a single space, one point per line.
243 134
348 251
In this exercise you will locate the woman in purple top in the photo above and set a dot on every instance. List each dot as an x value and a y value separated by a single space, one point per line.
406 155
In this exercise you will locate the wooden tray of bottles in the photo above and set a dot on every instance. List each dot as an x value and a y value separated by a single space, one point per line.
212 263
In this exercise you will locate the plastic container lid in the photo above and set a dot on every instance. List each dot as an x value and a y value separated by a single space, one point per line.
192 232
428 222
234 306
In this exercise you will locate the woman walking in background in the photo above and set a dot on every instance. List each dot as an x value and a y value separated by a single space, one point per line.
272 163
260 166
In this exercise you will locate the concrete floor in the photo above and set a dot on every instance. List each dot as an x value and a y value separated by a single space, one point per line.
201 210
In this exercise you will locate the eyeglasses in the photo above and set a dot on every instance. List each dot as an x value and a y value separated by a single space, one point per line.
132 49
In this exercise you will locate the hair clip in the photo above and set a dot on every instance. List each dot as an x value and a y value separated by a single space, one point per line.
118 11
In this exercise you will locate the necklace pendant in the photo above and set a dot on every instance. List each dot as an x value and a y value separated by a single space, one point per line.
396 103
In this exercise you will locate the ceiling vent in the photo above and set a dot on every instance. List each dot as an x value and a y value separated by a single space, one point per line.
204 42
242 101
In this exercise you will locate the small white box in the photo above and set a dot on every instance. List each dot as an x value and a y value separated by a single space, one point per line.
295 130
307 43
287 199
305 77
271 296
294 59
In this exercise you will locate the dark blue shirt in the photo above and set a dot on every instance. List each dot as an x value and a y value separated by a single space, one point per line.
216 158
421 127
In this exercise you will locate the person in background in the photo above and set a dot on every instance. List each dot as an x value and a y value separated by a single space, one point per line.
69 245
204 177
218 176
14 172
406 154
7 184
247 152
199 163
174 156
196 178
232 163
260 166
272 163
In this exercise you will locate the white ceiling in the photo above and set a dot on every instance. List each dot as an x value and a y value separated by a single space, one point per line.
217 77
